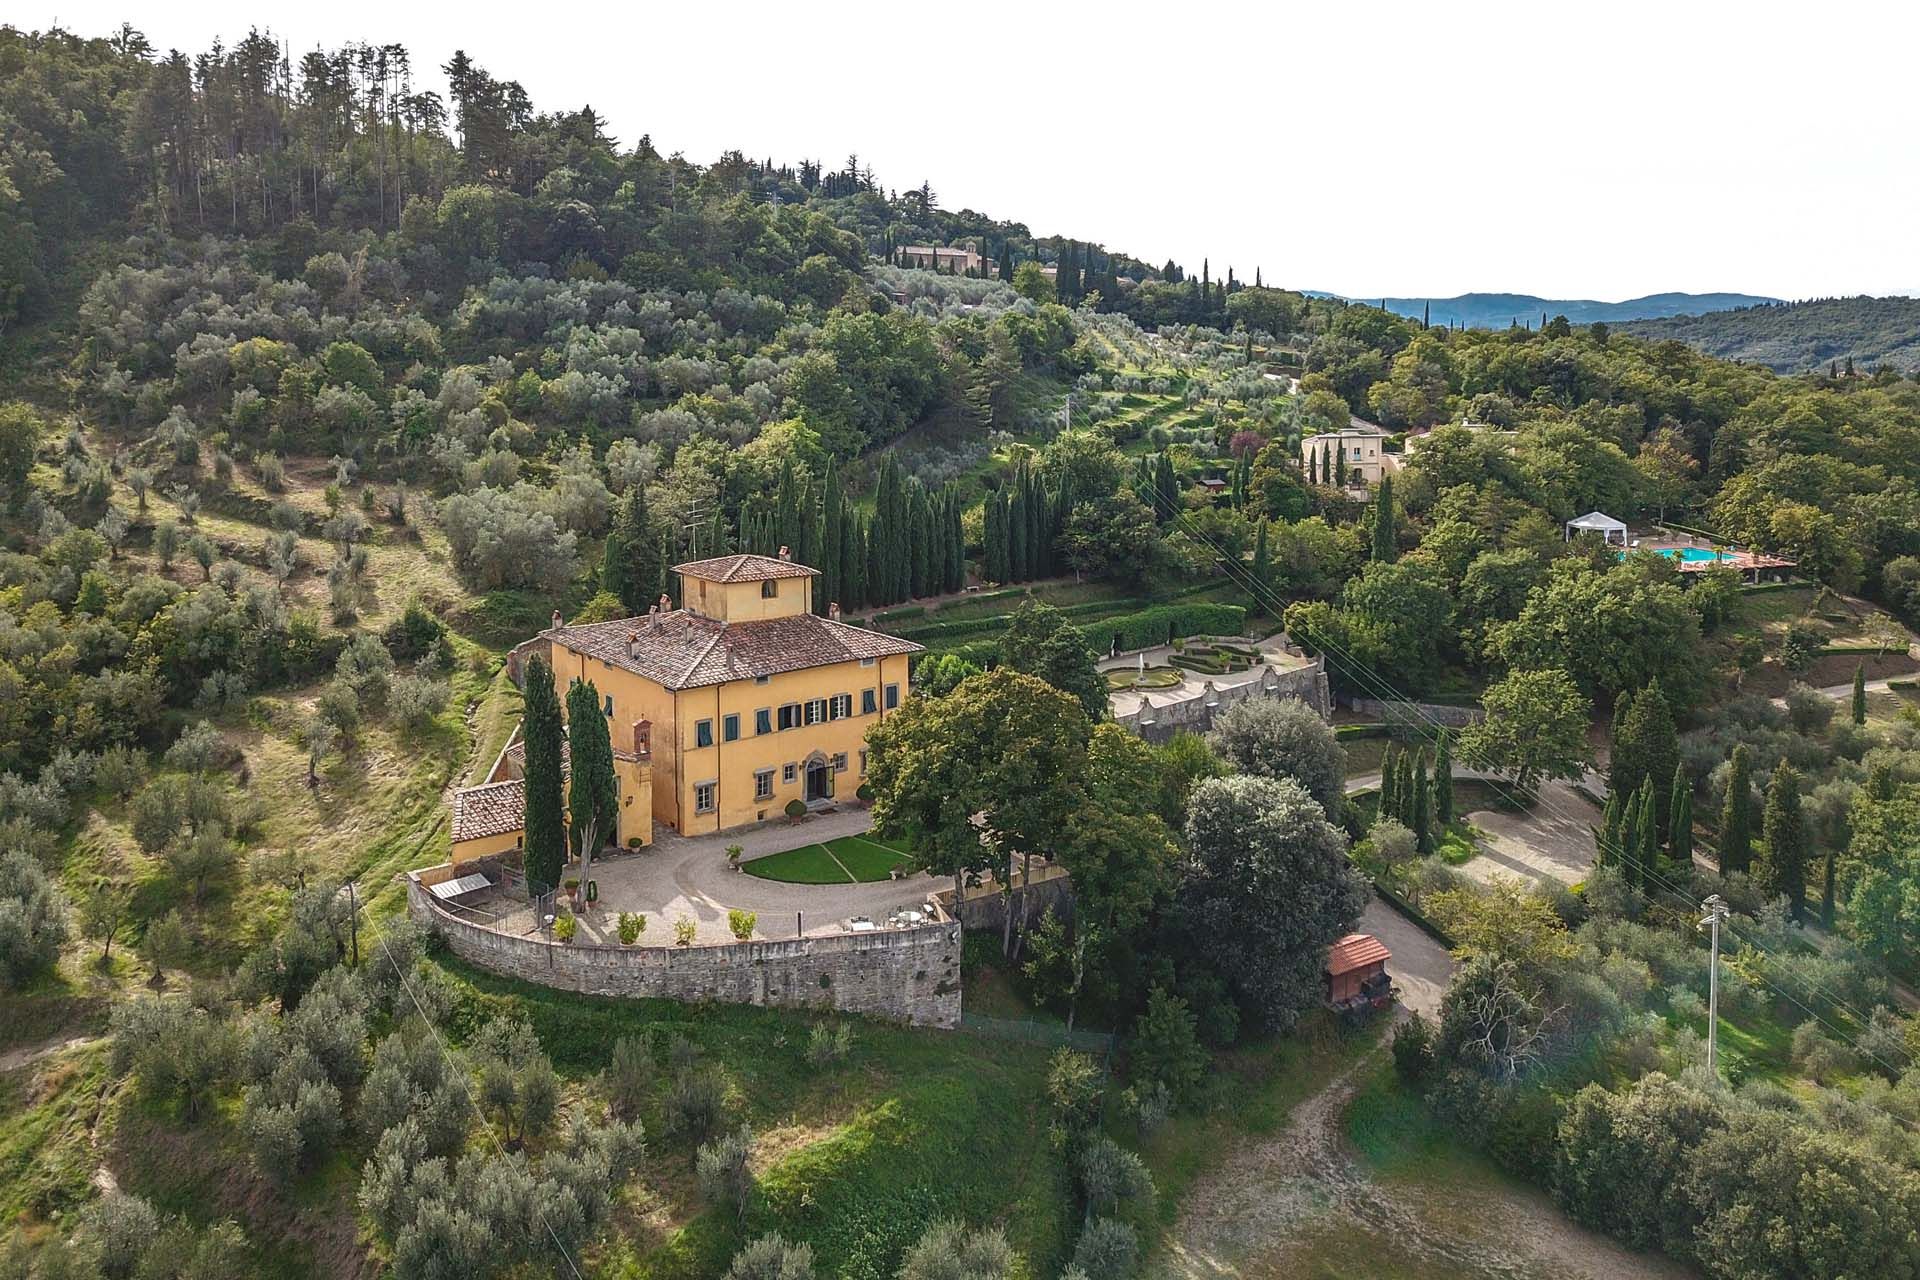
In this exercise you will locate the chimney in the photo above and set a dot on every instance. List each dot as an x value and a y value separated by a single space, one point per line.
633 641
665 605
653 618
833 611
643 738
558 621
785 554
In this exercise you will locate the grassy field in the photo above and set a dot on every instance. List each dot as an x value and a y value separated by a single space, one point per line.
847 860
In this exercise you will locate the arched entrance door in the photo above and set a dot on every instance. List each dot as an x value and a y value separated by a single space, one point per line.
819 778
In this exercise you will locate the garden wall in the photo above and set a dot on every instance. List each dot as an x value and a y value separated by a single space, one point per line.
1418 713
908 975
1161 715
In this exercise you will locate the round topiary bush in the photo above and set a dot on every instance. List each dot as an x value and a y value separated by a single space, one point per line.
796 808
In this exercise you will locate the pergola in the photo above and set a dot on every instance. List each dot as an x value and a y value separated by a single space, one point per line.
1601 523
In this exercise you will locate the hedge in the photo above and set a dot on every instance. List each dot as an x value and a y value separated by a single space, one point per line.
1860 650
896 615
1159 625
1354 732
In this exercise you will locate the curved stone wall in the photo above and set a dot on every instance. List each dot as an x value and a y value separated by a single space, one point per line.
909 975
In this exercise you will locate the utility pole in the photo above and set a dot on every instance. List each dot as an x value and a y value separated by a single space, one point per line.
692 526
1715 908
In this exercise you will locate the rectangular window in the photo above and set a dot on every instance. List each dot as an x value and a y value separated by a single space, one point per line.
763 784
763 720
609 706
787 773
790 716
866 662
893 696
863 762
770 589
706 797
840 707
867 706
762 679
702 733
816 710
730 727
840 762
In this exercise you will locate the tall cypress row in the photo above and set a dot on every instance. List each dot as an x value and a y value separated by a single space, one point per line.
1680 818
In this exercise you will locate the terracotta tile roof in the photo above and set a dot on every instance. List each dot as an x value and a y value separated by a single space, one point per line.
1356 951
492 810
517 753
686 651
744 567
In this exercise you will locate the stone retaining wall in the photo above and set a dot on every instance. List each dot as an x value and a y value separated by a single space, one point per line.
1194 711
1418 713
909 975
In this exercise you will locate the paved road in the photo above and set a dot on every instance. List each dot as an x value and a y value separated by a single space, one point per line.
1421 967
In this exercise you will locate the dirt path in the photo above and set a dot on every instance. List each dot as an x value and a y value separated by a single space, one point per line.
1269 1210
28 1054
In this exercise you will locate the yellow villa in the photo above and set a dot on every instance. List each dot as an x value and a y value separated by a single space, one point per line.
722 712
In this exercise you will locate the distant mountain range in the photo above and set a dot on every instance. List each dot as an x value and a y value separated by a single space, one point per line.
1498 310
1795 337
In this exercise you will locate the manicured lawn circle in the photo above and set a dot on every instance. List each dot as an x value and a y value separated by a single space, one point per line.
846 860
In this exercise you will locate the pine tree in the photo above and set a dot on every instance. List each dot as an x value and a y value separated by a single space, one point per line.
1736 814
1384 548
1421 809
1443 780
1860 693
1680 819
541 729
592 794
1784 832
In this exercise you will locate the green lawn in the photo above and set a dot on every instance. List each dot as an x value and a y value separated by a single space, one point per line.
847 860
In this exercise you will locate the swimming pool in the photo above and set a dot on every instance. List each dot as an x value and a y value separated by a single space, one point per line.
1693 555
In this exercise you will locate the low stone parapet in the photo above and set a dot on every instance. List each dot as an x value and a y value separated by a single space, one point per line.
907 974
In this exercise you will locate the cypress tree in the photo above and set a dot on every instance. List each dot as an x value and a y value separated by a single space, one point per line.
1384 549
1607 840
1403 789
1421 809
1860 693
1646 747
1785 836
1736 814
1018 563
1313 466
1166 489
1647 835
993 552
633 567
1680 819
1388 773
1262 569
546 833
592 794
1443 780
1329 474
831 587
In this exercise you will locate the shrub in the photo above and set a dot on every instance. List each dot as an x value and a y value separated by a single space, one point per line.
684 930
1823 1059
1413 1049
1808 710
829 1045
564 926
1166 1045
632 925
1393 842
771 1258
1107 1250
1152 1104
721 1167
33 918
694 1105
1111 1176
122 1228
741 923
1155 626
414 701
948 1249
628 1076
796 808
1073 1087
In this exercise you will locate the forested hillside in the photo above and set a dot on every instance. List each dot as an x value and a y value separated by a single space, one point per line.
1830 335
1500 310
321 393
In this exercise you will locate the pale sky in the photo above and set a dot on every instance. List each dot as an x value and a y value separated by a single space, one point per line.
1593 151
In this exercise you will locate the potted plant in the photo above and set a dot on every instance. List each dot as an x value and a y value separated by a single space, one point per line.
683 931
593 893
796 808
864 793
733 856
572 885
632 925
563 927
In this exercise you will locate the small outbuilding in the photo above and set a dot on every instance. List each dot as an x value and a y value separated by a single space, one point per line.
1356 974
1599 522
